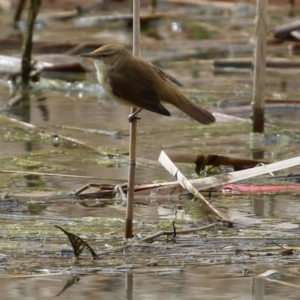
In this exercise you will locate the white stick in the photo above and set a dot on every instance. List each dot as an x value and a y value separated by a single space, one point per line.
217 180
168 164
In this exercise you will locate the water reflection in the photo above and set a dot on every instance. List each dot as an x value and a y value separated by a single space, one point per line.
214 282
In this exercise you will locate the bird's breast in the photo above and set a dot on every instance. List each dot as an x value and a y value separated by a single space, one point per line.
104 82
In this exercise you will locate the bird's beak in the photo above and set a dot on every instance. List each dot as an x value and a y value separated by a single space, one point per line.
87 55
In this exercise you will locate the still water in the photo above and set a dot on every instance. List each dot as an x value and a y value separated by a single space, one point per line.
222 263
214 283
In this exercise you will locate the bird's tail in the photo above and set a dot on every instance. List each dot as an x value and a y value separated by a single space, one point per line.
196 112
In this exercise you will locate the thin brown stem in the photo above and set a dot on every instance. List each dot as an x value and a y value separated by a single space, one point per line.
27 44
133 129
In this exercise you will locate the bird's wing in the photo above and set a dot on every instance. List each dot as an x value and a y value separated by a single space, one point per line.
166 76
138 89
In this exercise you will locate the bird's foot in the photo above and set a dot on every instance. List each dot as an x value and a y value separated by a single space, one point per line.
134 116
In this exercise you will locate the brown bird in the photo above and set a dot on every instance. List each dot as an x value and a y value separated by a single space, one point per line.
133 81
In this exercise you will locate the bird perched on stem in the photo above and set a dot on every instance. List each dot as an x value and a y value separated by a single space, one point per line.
133 81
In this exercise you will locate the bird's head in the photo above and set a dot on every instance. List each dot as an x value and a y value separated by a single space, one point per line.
108 56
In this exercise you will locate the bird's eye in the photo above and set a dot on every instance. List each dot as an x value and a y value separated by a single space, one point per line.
103 55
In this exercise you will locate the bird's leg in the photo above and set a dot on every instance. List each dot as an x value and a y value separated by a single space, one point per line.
133 116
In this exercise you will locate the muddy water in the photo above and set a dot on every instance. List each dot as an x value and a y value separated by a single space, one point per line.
197 283
214 264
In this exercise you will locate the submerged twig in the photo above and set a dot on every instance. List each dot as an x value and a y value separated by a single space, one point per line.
28 126
113 134
171 232
51 174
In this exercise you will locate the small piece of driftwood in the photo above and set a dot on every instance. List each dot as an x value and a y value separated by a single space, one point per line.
286 31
